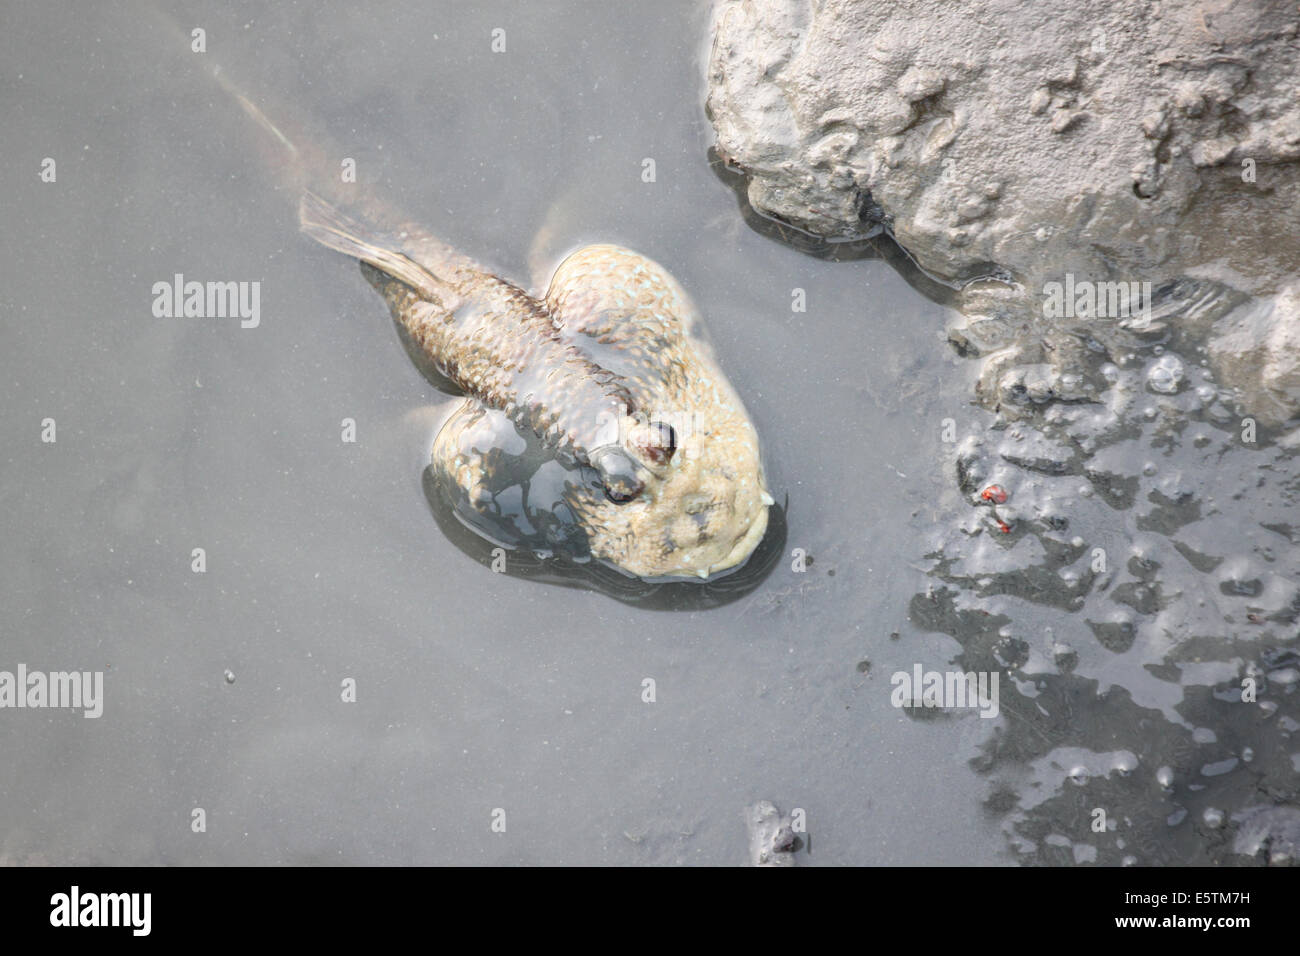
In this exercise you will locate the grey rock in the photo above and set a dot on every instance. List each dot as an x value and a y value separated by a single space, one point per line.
1271 834
772 839
1113 142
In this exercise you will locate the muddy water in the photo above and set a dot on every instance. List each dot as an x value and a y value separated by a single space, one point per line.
478 692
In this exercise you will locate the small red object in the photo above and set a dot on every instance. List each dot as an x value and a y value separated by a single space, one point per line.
995 493
1004 527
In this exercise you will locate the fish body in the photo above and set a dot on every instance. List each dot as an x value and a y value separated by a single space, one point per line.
596 420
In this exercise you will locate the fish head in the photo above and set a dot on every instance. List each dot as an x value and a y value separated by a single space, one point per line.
684 494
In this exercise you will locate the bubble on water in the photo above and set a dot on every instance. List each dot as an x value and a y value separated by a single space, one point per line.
1125 763
1078 775
1207 394
230 676
1149 469
1129 861
1110 372
1213 817
1248 754
1158 350
1150 413
1165 777
1165 375
1085 491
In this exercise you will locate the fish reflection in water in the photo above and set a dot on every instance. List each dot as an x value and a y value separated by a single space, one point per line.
532 541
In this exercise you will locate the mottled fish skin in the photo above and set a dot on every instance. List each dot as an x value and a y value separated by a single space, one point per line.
606 375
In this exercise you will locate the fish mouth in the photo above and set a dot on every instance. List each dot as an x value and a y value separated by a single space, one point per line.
739 553
743 548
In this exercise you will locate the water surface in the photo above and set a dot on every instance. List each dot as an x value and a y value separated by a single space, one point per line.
475 690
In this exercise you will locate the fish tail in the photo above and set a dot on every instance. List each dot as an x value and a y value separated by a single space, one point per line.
287 152
263 121
340 232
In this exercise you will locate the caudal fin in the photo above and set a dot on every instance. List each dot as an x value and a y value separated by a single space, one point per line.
335 230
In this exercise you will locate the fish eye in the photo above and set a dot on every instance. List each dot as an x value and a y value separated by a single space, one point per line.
619 495
657 441
618 474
